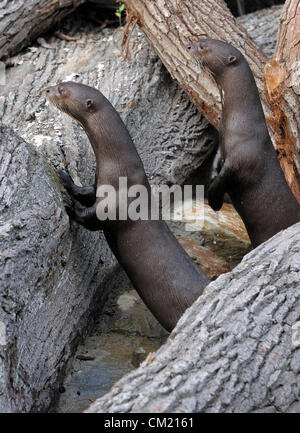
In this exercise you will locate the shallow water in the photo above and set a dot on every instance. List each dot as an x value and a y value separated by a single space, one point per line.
119 342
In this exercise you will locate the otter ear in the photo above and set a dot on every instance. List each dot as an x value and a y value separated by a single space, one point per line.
231 59
89 103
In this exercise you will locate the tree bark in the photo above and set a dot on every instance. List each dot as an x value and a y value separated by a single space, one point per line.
262 27
157 112
53 278
161 120
236 349
282 86
170 25
22 21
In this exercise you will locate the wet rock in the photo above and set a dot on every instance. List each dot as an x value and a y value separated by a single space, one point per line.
209 262
83 387
123 337
225 234
51 278
217 241
136 319
138 356
234 350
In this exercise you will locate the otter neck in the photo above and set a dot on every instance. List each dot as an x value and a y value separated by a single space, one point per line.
238 92
115 144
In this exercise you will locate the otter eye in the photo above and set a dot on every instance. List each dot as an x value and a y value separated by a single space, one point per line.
231 59
89 103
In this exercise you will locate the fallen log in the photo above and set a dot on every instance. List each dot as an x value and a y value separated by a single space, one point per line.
53 278
236 349
161 120
170 26
282 88
22 22
172 137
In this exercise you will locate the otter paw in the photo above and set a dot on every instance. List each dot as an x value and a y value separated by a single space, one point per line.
69 204
215 201
65 179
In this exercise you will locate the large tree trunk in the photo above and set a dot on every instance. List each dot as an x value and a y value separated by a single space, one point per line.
170 25
52 278
282 85
22 21
236 349
158 114
161 120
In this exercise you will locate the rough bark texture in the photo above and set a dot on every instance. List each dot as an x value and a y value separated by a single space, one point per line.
172 137
22 21
234 349
262 27
45 307
171 25
282 85
52 278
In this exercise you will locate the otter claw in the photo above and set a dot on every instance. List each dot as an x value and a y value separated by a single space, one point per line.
65 178
69 204
68 201
215 200
215 205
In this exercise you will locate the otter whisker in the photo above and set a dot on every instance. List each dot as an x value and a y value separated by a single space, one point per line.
218 58
199 63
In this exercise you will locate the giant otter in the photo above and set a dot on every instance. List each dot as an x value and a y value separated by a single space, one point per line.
250 173
164 275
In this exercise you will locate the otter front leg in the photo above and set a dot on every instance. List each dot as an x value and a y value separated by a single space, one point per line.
218 187
86 195
84 216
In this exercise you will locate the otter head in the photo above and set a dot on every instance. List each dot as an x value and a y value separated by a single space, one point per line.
216 56
77 100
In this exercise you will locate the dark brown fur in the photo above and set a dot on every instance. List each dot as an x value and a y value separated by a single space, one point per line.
250 173
163 274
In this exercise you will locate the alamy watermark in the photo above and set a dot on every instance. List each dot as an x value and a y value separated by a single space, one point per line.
2 334
137 202
2 74
296 334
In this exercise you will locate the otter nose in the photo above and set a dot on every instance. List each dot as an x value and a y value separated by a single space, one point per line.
202 46
52 91
196 46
